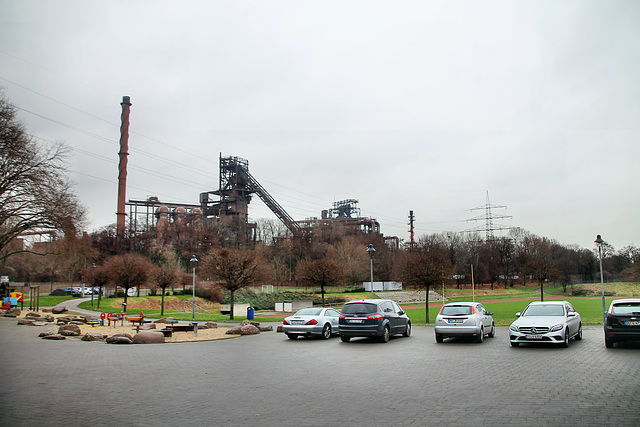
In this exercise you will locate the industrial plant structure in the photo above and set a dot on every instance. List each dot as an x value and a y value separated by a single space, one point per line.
229 206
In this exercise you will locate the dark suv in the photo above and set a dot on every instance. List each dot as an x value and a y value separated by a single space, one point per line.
373 318
622 322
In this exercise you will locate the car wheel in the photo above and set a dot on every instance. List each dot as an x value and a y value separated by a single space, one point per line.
386 334
515 344
480 337
345 338
493 331
579 335
326 331
439 339
407 331
292 336
608 343
566 338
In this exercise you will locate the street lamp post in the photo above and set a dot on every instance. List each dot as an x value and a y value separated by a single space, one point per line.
93 280
600 242
194 261
371 250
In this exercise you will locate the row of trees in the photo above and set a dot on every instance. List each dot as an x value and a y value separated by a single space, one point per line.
35 198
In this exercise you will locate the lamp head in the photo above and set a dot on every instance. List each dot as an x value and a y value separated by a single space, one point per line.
370 248
193 259
598 240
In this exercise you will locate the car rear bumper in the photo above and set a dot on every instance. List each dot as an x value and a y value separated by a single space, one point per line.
360 331
303 329
618 335
457 331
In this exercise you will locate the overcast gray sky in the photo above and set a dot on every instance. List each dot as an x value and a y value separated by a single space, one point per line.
413 105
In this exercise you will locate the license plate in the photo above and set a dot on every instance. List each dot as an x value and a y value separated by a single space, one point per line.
632 323
297 322
356 320
533 337
456 320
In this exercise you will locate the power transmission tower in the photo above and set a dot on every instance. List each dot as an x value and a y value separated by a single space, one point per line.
488 219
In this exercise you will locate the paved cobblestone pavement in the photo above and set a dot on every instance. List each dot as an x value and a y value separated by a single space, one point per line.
268 380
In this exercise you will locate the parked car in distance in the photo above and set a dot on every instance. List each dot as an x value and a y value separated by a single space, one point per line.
319 321
551 322
379 318
464 319
622 321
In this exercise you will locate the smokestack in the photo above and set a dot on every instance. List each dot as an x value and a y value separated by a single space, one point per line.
122 166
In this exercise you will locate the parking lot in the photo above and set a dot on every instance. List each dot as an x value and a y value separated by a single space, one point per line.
268 380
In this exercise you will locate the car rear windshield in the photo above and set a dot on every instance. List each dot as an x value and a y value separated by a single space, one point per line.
626 308
456 310
544 310
359 308
309 312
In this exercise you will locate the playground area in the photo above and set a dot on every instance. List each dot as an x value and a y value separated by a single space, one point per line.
124 326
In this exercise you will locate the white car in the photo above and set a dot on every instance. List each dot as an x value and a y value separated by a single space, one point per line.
320 321
550 322
464 319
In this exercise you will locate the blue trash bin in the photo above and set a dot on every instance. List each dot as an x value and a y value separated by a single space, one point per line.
250 312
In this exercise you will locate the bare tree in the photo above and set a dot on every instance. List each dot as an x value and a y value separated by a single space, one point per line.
425 266
321 272
234 268
128 271
35 195
163 277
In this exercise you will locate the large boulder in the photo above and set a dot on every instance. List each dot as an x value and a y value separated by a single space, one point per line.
12 312
211 325
119 340
69 330
265 328
243 330
94 336
25 321
250 322
148 337
32 314
58 310
53 337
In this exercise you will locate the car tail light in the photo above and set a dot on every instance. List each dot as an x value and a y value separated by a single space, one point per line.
312 322
342 316
440 312
284 322
374 316
473 310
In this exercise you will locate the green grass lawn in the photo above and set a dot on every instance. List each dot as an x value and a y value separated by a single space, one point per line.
48 301
113 305
505 312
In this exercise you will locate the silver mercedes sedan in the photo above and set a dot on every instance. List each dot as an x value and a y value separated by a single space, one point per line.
551 322
319 321
464 319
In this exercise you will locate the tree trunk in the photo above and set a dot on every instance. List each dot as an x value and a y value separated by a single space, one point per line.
426 306
126 291
162 303
99 295
231 304
322 293
541 291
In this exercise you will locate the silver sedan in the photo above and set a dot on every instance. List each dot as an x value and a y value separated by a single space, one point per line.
320 321
464 319
551 322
